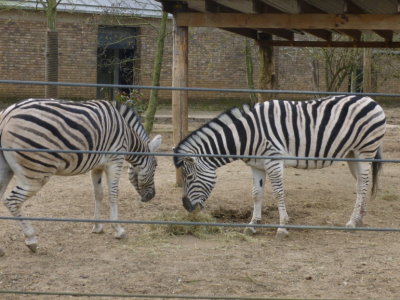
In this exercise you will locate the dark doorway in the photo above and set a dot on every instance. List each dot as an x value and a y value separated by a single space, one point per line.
116 54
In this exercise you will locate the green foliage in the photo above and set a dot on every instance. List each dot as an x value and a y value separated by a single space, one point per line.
338 64
133 100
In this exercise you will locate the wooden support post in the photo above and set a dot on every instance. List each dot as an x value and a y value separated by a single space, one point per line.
367 71
266 77
179 79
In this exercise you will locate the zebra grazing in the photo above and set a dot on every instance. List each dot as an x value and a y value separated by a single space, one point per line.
332 127
69 125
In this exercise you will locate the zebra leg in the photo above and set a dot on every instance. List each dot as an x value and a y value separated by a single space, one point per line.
360 171
258 196
274 169
5 174
22 192
98 197
5 177
113 173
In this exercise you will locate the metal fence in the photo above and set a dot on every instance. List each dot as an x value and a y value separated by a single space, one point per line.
161 222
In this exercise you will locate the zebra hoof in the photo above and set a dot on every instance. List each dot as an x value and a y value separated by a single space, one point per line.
32 244
97 228
120 234
282 233
249 231
354 224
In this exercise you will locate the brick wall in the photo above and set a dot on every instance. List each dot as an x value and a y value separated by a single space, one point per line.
21 51
216 58
77 58
22 48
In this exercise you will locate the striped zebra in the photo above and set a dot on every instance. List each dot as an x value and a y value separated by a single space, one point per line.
332 127
69 125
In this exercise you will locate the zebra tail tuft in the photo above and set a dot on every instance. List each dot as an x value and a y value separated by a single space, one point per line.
376 170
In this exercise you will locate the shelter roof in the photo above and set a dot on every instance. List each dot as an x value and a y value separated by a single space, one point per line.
115 7
337 23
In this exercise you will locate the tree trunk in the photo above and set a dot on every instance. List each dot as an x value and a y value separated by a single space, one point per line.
152 107
51 63
267 72
51 60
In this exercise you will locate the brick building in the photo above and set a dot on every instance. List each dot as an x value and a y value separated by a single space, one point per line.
91 37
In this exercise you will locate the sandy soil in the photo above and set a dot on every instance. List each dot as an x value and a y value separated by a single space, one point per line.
308 264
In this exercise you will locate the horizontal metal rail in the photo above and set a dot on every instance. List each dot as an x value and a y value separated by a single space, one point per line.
194 89
275 157
148 296
210 224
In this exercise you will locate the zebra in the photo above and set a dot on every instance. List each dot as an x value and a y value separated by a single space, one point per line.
95 125
331 127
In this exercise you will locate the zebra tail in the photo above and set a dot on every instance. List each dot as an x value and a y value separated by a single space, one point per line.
376 170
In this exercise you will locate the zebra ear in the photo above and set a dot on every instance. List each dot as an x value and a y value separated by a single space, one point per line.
155 143
190 160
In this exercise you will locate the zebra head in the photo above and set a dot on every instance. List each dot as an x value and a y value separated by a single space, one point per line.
198 182
142 175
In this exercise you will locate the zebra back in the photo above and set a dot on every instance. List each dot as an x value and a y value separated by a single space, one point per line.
327 127
96 125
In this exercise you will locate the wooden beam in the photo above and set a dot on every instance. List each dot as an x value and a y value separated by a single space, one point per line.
285 34
173 6
213 6
293 21
244 6
179 79
337 44
249 33
351 7
354 34
322 34
386 34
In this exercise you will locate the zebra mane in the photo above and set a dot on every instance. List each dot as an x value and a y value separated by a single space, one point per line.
132 119
227 118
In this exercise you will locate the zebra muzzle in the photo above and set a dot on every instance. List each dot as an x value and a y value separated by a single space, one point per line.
189 206
148 196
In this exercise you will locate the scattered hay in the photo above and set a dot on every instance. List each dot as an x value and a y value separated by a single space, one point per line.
391 197
195 230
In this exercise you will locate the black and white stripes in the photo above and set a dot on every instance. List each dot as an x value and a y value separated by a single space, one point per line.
71 125
332 127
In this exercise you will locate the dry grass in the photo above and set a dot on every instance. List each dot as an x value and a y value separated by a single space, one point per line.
390 197
195 230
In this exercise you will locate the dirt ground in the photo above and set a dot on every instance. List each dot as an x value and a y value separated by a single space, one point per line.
309 264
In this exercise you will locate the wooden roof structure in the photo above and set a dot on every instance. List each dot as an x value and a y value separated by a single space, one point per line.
365 23
298 23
